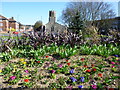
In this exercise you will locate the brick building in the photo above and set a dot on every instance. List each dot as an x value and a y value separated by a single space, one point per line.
7 24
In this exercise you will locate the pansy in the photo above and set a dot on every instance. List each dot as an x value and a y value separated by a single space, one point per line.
94 69
80 86
52 71
85 66
82 59
112 62
46 56
82 79
12 77
26 71
0 71
92 65
68 64
88 70
100 75
60 65
94 86
113 66
26 80
24 62
38 61
66 60
22 59
72 71
73 79
116 55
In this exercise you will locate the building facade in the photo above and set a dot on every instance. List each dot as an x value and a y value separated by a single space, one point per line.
8 24
52 27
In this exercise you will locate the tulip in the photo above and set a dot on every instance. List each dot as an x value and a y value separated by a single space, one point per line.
15 32
116 55
0 71
113 66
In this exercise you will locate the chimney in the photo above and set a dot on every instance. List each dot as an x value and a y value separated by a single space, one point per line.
52 16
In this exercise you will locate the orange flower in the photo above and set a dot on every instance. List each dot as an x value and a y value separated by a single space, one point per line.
26 80
100 75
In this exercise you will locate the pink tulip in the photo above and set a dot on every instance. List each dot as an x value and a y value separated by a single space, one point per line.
60 66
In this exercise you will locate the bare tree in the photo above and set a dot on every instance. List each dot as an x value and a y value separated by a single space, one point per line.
89 11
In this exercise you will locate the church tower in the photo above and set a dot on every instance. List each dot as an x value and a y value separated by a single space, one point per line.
52 17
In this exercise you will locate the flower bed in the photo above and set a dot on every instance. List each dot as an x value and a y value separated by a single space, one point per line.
78 71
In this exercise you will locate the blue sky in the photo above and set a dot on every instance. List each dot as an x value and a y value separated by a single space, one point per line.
30 12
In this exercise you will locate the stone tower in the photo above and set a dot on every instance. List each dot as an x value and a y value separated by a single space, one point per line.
52 17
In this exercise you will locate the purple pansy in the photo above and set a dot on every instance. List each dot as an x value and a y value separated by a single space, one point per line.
73 79
72 71
80 86
82 79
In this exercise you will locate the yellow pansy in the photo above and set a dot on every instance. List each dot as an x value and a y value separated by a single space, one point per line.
22 59
24 62
0 71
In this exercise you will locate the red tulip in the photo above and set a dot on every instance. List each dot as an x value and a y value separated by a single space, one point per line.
68 64
88 70
26 80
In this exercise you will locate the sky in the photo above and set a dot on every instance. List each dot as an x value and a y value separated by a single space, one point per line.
29 12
